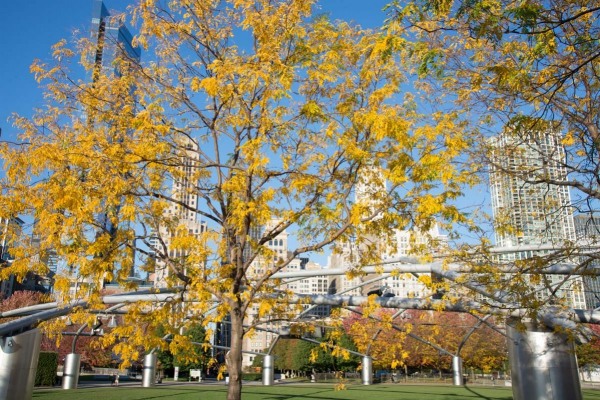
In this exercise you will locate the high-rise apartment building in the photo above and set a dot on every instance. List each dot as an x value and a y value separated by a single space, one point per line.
529 211
587 229
538 213
180 215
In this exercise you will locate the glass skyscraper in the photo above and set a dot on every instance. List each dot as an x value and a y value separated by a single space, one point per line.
113 40
114 43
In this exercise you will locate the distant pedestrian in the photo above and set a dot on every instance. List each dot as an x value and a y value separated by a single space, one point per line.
115 380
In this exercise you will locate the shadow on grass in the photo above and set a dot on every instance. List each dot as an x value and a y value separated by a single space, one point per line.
287 392
445 392
124 393
481 396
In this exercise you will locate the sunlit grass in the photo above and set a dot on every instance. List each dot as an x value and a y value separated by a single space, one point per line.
288 392
279 392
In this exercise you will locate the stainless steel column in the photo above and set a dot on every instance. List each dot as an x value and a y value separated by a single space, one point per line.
367 370
457 371
71 371
267 370
18 364
542 362
149 371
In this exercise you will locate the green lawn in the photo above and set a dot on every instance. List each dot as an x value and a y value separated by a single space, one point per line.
288 392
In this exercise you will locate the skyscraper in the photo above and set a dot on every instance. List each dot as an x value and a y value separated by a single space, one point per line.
587 229
180 215
113 40
527 209
113 44
537 213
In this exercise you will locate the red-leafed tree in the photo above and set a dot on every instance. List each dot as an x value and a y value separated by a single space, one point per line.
23 298
588 354
93 354
387 348
483 348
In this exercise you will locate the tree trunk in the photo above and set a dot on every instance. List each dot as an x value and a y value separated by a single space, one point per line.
234 356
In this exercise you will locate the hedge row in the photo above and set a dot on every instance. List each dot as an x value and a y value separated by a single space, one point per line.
46 369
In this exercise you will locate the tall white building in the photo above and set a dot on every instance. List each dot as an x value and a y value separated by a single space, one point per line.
539 213
527 210
587 229
180 216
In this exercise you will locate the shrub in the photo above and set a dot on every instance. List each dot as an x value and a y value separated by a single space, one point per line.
252 377
46 369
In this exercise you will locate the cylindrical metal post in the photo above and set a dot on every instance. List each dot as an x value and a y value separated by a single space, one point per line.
457 371
367 370
18 364
267 371
71 371
149 371
542 363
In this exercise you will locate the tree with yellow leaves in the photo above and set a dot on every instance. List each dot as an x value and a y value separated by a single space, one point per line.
526 71
252 114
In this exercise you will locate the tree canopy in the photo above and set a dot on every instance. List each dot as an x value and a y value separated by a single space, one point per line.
257 117
527 70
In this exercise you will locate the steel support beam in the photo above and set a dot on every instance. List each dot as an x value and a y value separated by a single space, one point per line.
71 371
367 370
457 371
267 370
18 364
149 370
542 362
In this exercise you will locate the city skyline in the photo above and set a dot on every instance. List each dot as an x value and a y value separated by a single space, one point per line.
336 10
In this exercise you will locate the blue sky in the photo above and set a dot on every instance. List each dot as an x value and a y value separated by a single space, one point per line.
28 29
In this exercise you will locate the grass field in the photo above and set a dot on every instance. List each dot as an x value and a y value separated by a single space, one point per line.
287 392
